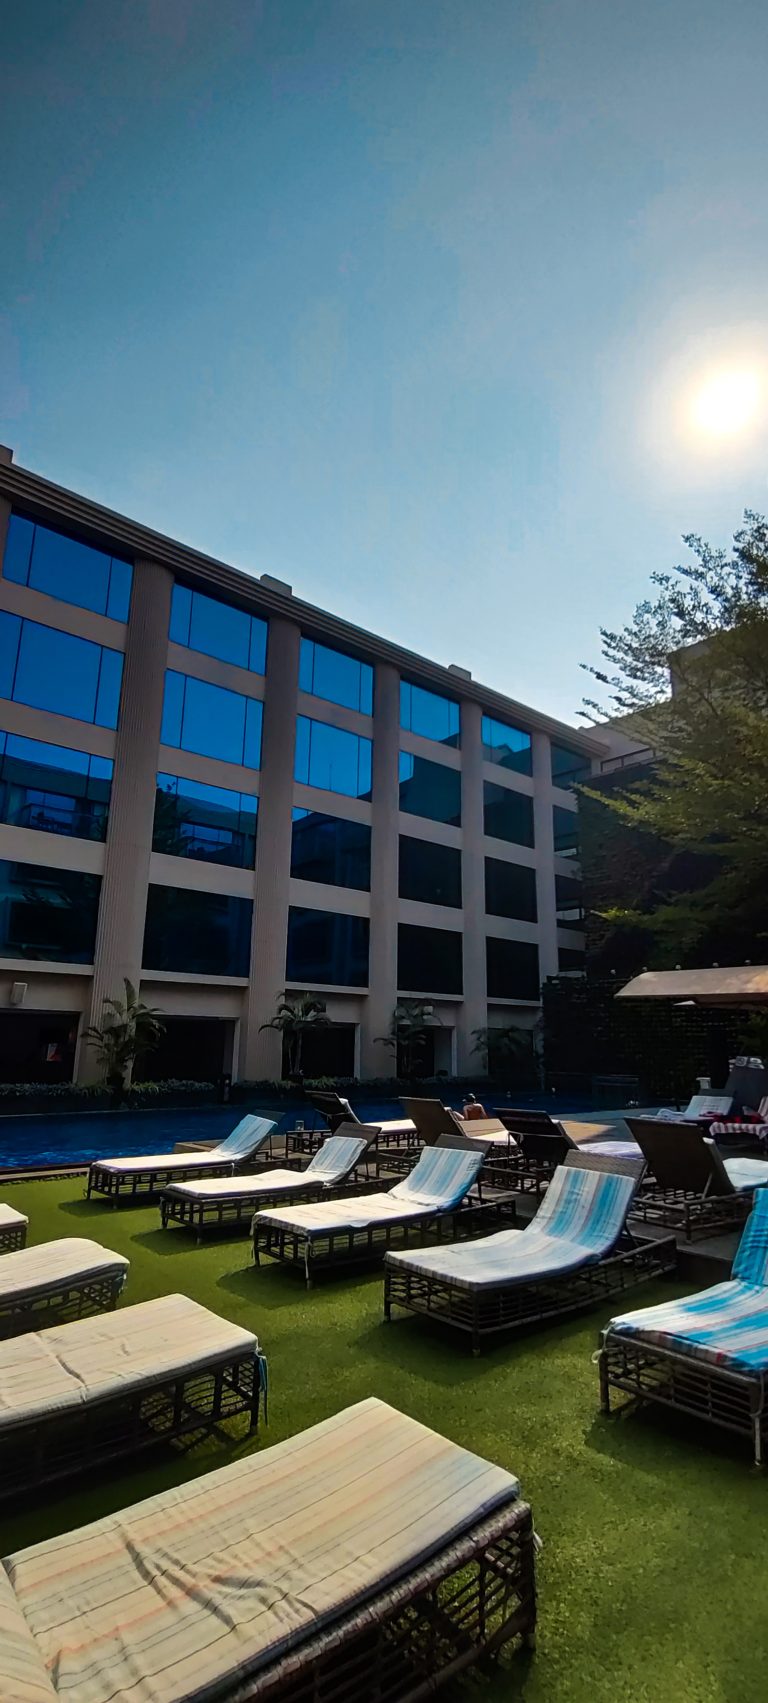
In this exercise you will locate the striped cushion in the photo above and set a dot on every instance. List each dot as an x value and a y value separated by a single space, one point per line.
750 1127
751 1262
579 1221
336 1158
10 1219
441 1178
247 1137
23 1678
187 1594
32 1271
67 1366
747 1173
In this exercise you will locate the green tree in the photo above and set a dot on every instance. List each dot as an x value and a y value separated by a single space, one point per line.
297 1013
130 1029
500 1050
409 1032
691 671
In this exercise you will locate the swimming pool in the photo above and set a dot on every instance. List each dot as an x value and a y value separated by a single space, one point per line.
76 1138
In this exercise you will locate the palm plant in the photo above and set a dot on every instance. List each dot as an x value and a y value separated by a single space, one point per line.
501 1049
130 1028
408 1036
295 1015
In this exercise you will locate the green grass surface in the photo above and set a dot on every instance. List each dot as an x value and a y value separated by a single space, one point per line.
654 1570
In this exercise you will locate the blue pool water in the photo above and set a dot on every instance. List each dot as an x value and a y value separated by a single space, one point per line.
75 1139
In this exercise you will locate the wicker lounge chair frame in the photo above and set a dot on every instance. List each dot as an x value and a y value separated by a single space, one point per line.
122 1185
509 1305
335 1110
699 1198
368 1244
73 1299
236 1213
470 1601
186 1407
12 1237
735 1401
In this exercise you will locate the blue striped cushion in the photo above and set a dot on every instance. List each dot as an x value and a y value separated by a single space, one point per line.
441 1178
337 1156
248 1136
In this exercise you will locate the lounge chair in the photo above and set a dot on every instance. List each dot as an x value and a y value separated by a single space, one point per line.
745 1128
359 1229
80 1394
702 1108
13 1229
231 1201
431 1120
367 1556
57 1281
692 1187
573 1253
334 1111
706 1354
146 1176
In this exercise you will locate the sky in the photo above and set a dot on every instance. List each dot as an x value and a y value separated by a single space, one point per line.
402 301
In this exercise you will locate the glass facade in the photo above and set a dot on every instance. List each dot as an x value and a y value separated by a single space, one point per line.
331 850
510 890
512 969
75 573
430 790
208 823
218 629
48 913
331 758
338 678
428 714
506 745
203 934
429 872
211 720
569 767
52 789
55 671
565 827
569 895
570 960
507 815
429 960
326 948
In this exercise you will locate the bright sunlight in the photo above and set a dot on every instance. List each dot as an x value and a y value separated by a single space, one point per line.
728 402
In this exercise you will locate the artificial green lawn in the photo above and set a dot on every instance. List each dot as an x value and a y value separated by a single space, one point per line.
654 1574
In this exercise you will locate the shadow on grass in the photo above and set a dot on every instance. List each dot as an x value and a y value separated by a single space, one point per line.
91 1209
272 1287
160 1242
645 1437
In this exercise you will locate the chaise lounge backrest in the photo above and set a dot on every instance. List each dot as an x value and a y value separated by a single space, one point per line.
751 1262
431 1119
588 1200
681 1156
440 1178
333 1109
248 1136
340 1153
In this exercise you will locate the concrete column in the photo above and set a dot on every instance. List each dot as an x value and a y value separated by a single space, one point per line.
545 855
261 1050
474 1008
376 1059
120 933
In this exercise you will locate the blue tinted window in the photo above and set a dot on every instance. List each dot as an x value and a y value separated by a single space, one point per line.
332 758
205 822
569 766
338 678
512 968
430 789
331 850
211 720
326 948
510 890
509 746
48 913
56 671
565 824
507 815
569 902
53 789
428 714
429 872
63 567
218 629
429 960
199 934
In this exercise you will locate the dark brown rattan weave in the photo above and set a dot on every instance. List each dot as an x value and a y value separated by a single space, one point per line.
12 1237
471 1601
56 1306
236 1214
187 1407
716 1393
368 1245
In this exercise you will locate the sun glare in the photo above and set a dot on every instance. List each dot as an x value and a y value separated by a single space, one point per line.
727 403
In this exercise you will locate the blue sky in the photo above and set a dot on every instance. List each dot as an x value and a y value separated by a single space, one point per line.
395 299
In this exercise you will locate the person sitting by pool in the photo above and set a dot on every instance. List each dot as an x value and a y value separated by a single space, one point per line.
472 1108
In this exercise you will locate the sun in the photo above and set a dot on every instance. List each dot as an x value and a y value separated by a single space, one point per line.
727 403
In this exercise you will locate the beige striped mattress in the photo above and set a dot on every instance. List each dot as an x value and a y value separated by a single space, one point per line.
10 1219
217 1578
353 1214
62 1368
241 1188
165 1162
53 1265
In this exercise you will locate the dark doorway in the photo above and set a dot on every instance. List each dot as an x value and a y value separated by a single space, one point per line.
37 1046
193 1049
327 1051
